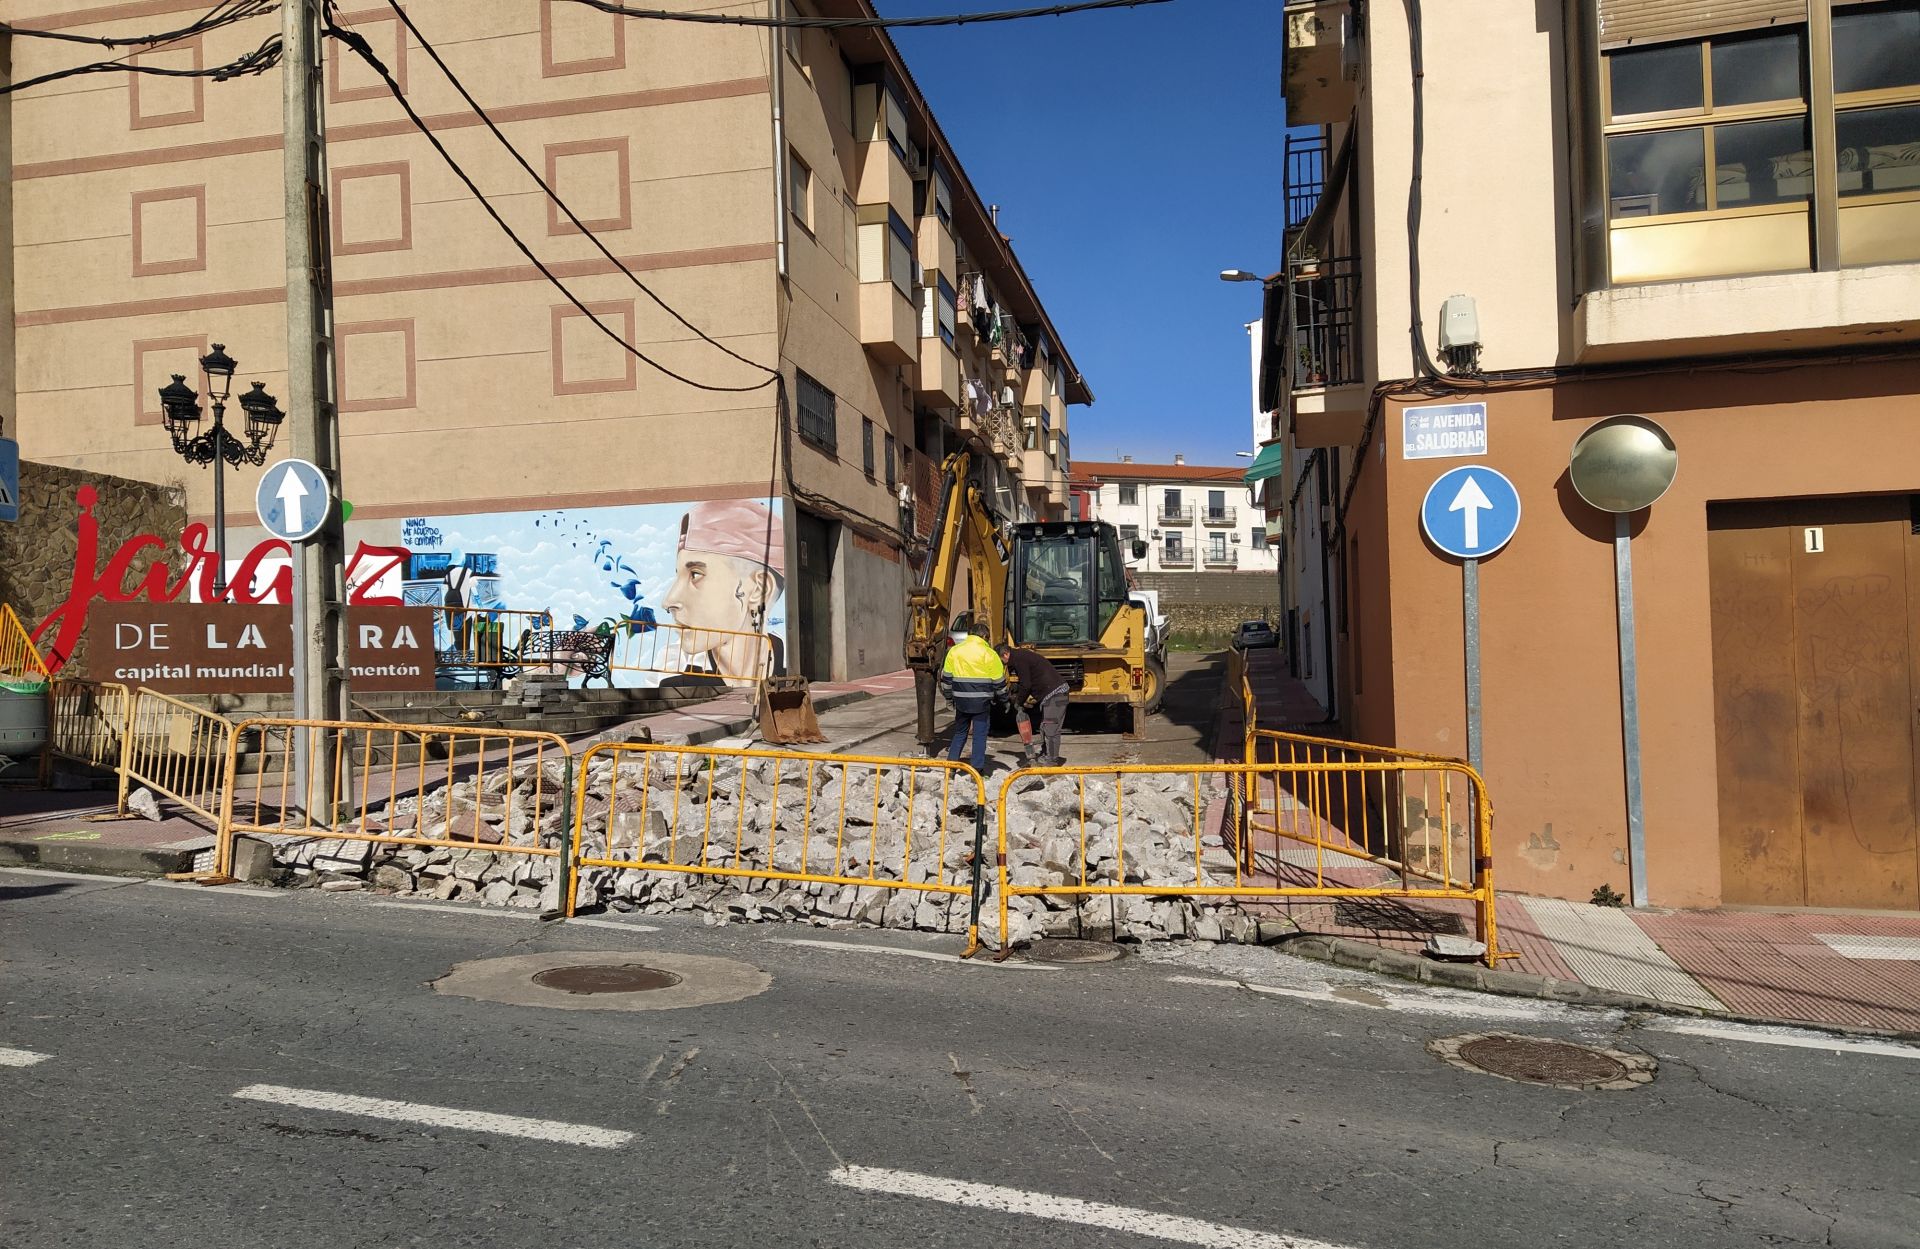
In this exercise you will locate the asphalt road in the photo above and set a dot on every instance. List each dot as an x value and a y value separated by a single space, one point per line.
865 1097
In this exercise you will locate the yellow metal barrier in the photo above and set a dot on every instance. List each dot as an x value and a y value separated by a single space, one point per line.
88 721
1205 844
19 658
483 637
177 750
495 790
824 819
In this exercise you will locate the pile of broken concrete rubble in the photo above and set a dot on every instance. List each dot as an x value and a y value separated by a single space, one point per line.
893 825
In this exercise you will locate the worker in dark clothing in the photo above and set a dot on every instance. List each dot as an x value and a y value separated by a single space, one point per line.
1038 684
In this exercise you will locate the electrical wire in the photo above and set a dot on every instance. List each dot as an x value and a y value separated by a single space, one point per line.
866 23
258 61
223 14
554 195
366 53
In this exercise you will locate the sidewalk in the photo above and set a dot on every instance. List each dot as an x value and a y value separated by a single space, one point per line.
74 829
1839 969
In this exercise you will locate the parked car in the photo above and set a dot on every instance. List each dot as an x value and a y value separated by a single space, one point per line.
1254 635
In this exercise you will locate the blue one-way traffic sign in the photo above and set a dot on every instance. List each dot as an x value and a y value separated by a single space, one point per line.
1470 512
292 500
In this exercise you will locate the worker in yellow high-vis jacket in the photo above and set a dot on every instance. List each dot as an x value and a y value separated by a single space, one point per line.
974 680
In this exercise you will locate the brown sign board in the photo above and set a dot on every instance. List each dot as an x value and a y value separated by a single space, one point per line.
232 648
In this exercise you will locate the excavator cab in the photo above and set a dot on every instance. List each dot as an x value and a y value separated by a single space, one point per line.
1068 583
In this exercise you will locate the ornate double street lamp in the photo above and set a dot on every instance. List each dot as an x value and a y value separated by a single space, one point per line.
180 408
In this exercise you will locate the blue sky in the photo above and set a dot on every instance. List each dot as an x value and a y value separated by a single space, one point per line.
1134 154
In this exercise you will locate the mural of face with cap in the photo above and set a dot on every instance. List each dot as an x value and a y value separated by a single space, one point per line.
730 571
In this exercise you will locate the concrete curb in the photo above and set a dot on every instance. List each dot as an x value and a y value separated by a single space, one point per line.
78 856
1362 956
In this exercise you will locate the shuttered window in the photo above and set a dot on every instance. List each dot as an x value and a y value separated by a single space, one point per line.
1642 21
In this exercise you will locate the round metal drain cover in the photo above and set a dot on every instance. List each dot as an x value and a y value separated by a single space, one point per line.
1538 1060
617 978
1071 950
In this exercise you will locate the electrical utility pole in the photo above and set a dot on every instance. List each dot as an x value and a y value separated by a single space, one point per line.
319 564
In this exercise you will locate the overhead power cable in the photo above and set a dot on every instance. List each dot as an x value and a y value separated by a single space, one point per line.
366 53
867 23
554 195
223 14
258 61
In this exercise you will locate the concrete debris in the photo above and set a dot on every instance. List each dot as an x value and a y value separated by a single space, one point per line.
659 811
143 804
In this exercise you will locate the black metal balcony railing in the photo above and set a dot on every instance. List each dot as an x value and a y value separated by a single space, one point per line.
1306 175
1175 514
1228 558
1176 557
1220 516
1322 338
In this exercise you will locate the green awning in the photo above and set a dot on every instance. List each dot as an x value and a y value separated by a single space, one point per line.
1269 463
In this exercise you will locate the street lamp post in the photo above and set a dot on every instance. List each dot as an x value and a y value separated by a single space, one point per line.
180 409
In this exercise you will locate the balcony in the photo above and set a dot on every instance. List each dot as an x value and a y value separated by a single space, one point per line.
1176 557
1306 171
1174 514
1228 558
1327 395
1321 59
1220 517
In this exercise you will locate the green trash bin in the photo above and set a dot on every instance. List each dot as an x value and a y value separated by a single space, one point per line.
23 719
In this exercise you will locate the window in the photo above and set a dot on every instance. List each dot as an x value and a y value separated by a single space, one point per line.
1129 534
1259 538
1170 507
949 317
1721 128
1129 495
893 474
866 445
1216 504
1173 548
942 195
896 121
886 253
1737 103
819 415
1217 547
800 191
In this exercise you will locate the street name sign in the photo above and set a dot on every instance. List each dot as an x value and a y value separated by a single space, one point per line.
1470 512
292 500
1442 431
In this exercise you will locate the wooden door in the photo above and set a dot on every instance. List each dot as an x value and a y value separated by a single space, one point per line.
813 602
1816 628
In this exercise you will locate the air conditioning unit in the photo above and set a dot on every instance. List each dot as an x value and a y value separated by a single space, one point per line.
1236 539
1156 535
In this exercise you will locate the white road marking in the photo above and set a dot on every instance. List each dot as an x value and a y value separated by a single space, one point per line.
1852 945
1604 947
438 1116
1425 1004
20 1058
1799 1040
933 956
1150 1223
457 910
97 877
612 923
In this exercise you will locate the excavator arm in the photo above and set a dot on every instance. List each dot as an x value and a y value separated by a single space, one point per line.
963 526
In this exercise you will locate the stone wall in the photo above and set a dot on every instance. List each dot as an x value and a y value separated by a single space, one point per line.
1206 606
36 554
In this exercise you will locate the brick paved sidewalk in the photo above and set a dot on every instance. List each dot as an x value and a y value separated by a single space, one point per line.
1849 969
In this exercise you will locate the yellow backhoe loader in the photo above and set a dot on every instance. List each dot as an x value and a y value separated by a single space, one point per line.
1058 587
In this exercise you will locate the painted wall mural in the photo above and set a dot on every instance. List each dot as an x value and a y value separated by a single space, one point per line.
715 569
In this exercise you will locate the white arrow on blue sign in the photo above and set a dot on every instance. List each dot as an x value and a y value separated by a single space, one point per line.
1470 512
292 500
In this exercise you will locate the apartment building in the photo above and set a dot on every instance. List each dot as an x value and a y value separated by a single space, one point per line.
1192 517
1704 214
784 200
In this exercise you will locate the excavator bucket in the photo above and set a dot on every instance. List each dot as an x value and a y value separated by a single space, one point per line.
786 712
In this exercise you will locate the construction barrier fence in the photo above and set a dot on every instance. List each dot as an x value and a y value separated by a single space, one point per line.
446 786
177 750
901 839
1161 833
87 721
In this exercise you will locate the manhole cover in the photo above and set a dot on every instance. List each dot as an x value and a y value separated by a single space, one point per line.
619 978
1070 950
1537 1060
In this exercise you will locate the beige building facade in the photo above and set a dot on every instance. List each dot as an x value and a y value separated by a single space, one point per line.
786 204
1704 214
